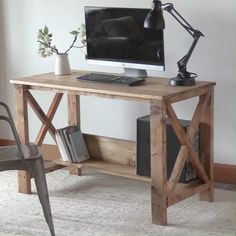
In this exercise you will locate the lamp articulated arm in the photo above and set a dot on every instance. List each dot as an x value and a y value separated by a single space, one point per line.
196 34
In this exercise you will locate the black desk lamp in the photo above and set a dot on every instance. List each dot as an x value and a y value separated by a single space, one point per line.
155 20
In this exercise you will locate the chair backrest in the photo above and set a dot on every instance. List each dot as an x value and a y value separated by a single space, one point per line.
10 120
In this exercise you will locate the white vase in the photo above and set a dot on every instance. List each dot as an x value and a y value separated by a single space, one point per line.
62 65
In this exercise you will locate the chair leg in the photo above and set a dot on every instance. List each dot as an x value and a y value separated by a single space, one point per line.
41 185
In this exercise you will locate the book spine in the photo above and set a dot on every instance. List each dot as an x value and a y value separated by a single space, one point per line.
73 150
66 147
61 146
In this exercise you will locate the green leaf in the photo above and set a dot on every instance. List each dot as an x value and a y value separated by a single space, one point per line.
40 37
45 30
74 32
47 39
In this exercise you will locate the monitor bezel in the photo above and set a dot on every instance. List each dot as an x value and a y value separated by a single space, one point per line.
123 64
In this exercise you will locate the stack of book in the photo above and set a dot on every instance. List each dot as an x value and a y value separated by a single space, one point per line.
71 144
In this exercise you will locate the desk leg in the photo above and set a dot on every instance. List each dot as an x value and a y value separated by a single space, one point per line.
158 163
73 109
207 146
24 177
74 119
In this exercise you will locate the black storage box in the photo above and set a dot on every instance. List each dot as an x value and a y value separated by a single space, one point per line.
173 146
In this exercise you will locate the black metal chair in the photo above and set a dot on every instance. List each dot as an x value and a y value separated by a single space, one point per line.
26 157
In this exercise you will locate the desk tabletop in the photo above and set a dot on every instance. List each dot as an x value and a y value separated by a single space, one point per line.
153 88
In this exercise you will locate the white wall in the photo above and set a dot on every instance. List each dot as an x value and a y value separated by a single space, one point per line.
213 60
3 80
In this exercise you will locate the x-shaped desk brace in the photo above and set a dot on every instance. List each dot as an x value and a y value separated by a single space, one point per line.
46 119
168 192
186 140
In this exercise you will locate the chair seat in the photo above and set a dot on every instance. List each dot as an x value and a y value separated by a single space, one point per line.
11 153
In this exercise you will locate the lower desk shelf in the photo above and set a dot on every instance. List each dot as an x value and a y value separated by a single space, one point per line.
105 167
181 192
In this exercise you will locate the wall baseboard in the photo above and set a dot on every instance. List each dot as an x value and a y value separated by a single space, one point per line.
223 173
6 142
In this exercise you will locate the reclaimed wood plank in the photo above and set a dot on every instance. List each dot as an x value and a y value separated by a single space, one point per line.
184 140
51 112
107 168
111 149
40 113
20 103
178 168
73 104
207 146
184 191
158 162
152 89
203 100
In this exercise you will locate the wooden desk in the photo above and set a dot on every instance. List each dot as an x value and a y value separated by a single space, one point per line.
160 96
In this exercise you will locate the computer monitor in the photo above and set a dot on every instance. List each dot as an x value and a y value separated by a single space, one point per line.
116 37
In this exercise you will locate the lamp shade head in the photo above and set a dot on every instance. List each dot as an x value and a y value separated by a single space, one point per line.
155 19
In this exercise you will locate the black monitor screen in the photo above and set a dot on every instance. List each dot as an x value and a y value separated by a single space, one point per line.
117 34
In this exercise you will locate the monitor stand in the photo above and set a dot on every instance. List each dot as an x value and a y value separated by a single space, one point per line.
137 73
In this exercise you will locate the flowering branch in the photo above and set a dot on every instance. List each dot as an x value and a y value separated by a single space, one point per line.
72 45
45 39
